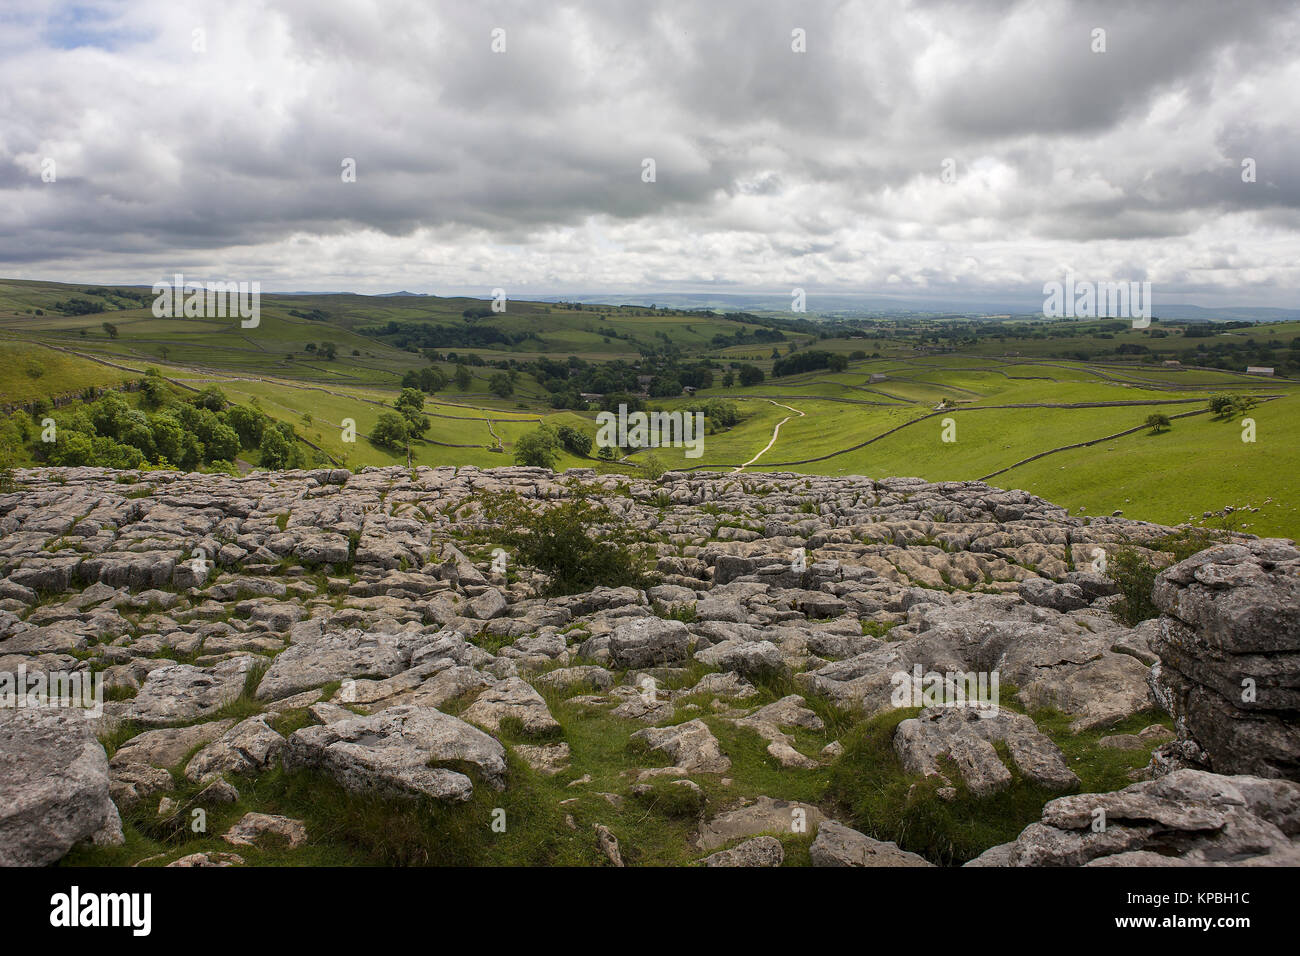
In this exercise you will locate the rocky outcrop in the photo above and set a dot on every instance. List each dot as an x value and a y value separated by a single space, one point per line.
1187 818
1229 668
342 619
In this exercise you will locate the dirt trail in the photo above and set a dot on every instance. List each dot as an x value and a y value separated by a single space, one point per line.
775 432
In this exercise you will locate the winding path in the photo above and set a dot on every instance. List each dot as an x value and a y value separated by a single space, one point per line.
775 432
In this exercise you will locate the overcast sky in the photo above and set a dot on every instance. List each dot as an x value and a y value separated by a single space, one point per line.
773 168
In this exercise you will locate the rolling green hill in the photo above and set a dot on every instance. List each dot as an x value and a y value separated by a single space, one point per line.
1057 409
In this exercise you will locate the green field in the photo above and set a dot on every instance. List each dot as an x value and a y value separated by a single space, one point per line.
1003 395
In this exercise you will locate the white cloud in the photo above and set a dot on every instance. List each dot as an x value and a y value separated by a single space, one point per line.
773 168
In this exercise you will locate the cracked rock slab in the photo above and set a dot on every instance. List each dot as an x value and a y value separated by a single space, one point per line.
332 657
1187 817
397 751
249 746
963 736
256 827
182 691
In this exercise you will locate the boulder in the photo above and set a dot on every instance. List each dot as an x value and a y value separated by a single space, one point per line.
837 845
54 786
183 692
396 752
647 641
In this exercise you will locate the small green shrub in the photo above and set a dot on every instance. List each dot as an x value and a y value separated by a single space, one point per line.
579 544
1135 576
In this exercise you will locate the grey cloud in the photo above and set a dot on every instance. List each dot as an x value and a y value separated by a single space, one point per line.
769 162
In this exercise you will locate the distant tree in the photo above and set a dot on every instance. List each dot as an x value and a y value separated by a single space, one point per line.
750 375
500 385
1158 423
537 449
411 399
248 424
275 450
431 380
410 405
153 390
329 350
389 431
111 329
211 398
574 439
1221 405
463 377
222 444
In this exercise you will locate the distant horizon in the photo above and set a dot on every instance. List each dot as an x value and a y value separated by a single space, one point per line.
673 298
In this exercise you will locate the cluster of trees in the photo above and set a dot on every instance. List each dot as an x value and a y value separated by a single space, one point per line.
566 380
809 361
428 380
78 306
1231 406
743 337
502 384
327 349
719 414
433 380
315 315
138 298
206 431
541 447
1236 354
423 335
394 429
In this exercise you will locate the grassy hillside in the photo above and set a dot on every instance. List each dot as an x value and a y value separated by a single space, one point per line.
1012 397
